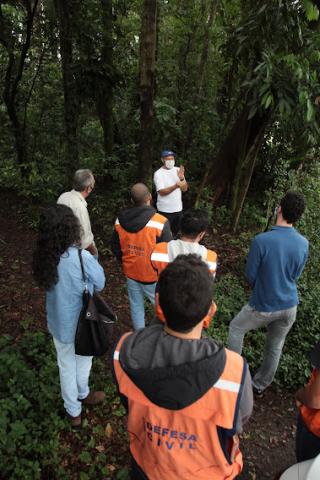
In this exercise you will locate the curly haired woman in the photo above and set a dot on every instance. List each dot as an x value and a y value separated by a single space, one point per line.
56 267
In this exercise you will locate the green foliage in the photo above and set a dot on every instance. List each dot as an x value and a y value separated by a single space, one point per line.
34 431
311 10
29 423
229 297
252 217
220 216
205 74
285 78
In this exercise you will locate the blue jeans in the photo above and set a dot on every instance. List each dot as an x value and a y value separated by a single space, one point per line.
136 293
74 371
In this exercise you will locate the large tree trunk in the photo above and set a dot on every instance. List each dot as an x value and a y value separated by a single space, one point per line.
243 175
13 76
231 169
71 101
205 46
9 98
104 96
148 43
201 67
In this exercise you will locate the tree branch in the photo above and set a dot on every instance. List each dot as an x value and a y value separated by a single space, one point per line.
25 48
32 86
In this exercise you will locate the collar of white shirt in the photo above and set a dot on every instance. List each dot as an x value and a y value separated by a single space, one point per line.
79 195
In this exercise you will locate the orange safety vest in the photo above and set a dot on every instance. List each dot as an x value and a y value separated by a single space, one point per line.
187 443
311 416
160 258
137 247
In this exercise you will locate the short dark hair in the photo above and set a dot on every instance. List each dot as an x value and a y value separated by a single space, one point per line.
185 292
292 205
194 222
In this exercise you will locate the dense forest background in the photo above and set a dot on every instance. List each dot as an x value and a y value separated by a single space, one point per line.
232 86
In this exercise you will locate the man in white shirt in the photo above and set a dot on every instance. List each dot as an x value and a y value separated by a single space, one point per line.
170 183
83 184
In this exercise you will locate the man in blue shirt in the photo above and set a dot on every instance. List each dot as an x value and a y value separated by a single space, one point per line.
275 262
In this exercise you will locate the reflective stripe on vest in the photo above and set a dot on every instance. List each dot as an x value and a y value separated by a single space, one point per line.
227 385
137 248
154 224
160 258
185 443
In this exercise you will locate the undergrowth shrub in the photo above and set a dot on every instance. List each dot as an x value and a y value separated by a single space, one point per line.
36 440
29 421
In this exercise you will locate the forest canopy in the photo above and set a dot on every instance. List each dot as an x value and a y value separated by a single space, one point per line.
107 84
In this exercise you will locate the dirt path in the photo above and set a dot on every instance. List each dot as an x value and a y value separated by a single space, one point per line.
268 440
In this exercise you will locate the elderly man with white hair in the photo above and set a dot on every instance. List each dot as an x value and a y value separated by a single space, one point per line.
83 184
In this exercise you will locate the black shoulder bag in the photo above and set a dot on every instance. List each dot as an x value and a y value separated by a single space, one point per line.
95 324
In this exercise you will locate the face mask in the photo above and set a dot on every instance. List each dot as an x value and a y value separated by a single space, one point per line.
169 164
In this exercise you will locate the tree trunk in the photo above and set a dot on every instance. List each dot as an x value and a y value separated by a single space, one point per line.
201 68
104 97
183 86
148 43
13 76
244 175
233 165
71 103
205 45
17 127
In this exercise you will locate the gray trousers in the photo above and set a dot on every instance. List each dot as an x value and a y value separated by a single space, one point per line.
278 325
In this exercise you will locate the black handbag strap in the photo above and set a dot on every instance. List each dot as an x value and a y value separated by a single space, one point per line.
82 269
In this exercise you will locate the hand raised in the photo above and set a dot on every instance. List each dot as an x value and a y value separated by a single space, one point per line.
181 172
181 183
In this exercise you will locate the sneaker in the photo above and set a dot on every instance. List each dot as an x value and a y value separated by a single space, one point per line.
75 421
94 398
258 393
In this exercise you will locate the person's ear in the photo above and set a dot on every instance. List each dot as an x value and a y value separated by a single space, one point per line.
202 234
